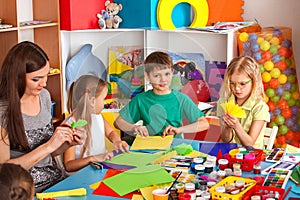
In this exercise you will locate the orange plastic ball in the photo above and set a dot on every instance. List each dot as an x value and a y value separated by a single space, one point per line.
282 104
267 55
281 65
287 113
289 135
282 51
274 83
272 106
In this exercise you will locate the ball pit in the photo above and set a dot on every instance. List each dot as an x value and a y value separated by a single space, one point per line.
272 49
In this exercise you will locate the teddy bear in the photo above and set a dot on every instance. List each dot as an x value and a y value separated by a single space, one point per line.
109 17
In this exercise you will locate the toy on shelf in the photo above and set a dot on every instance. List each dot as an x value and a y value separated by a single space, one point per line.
109 17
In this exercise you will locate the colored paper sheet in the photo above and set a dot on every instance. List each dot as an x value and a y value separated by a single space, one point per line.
213 148
147 191
104 190
133 159
196 154
137 197
137 178
152 142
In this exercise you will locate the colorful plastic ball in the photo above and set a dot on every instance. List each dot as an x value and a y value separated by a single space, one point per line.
266 77
286 95
264 45
291 102
286 113
275 99
277 33
272 106
275 58
262 69
273 49
266 86
290 135
267 55
255 47
270 92
246 46
298 104
295 95
252 37
289 53
281 65
274 83
243 36
275 73
282 51
268 36
257 56
274 41
295 127
279 120
289 122
286 43
259 40
294 109
288 62
276 111
272 124
294 87
247 53
282 104
287 86
282 79
291 78
283 129
279 91
269 65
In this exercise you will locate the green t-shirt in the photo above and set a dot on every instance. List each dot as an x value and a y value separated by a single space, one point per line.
159 111
255 110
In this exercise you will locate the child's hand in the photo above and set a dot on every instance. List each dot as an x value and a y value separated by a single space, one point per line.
79 135
103 157
230 121
170 130
122 146
141 130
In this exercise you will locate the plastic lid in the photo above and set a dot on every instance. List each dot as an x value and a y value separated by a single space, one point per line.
223 162
189 186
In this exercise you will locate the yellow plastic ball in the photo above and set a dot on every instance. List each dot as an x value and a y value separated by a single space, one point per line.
275 72
268 36
269 65
259 40
282 79
264 45
243 36
295 95
274 41
267 99
266 77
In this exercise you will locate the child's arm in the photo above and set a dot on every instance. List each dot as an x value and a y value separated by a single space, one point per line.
114 137
200 125
72 164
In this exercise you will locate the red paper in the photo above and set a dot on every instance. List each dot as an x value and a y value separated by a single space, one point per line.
104 190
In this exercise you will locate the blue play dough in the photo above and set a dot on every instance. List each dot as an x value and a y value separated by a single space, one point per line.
84 62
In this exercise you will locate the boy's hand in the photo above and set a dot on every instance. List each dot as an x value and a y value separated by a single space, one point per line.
170 130
122 146
141 130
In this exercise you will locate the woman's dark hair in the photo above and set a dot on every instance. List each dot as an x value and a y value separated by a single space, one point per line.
24 57
15 182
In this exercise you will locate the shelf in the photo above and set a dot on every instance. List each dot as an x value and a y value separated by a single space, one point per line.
38 26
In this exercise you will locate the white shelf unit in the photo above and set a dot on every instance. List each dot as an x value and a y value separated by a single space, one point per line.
215 47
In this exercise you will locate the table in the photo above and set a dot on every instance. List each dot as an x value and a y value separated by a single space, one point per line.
89 175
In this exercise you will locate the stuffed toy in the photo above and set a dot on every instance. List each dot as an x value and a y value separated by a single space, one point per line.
109 17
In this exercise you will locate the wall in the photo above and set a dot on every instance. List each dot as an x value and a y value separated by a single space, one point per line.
277 13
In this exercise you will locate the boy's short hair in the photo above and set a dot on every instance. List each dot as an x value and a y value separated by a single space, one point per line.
159 60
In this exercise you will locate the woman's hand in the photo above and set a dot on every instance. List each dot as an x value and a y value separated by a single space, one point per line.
62 135
170 130
79 136
122 146
102 157
141 130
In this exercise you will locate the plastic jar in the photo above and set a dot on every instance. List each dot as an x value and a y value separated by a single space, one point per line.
199 169
180 188
221 175
189 188
208 167
223 164
212 159
257 169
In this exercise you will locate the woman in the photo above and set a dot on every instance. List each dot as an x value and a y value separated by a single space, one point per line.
27 136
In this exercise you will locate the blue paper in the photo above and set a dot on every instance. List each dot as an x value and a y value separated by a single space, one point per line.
213 148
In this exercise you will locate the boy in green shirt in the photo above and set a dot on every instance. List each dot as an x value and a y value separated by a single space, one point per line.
161 109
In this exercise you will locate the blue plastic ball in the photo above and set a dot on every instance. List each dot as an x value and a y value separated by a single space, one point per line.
286 43
294 110
252 38
277 33
289 122
246 46
275 58
287 71
295 127
279 91
287 86
255 47
257 56
277 111
247 53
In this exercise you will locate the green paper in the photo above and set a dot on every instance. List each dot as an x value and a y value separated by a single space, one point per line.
183 149
133 159
79 123
137 178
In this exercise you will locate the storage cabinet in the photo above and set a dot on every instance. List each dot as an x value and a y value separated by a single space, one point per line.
36 21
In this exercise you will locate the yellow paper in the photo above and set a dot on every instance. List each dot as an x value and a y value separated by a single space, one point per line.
233 109
137 197
164 157
94 186
64 193
196 154
152 143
